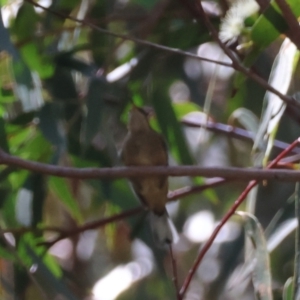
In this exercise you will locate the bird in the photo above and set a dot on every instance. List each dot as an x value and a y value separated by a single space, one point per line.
143 146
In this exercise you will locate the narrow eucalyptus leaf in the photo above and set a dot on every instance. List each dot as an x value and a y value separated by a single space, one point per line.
261 274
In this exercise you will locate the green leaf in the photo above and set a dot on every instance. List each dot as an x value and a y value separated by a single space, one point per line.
32 145
26 86
261 274
95 107
25 22
43 268
239 94
30 200
67 61
146 3
61 189
28 242
8 211
37 185
7 79
271 23
36 62
297 243
182 109
23 119
288 290
6 253
67 4
51 127
122 195
280 234
264 32
280 78
246 118
171 129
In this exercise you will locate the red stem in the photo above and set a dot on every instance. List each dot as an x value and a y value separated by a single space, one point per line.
208 244
228 215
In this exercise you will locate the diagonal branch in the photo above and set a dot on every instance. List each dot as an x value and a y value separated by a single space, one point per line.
227 216
197 189
130 38
236 63
94 225
172 196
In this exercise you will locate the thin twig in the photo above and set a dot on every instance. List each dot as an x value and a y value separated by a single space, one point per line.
174 271
130 38
63 233
236 63
94 225
190 190
37 230
235 132
227 216
211 239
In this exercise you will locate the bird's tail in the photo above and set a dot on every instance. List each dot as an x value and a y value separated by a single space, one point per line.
163 229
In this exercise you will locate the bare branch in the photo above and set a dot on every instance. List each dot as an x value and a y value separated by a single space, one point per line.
172 196
131 38
93 225
190 190
235 132
241 174
236 63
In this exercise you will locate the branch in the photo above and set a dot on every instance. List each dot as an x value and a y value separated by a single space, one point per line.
94 225
172 196
227 216
235 132
232 173
294 29
130 38
211 239
189 190
236 63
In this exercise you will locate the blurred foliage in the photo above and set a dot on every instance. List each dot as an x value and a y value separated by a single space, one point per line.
65 90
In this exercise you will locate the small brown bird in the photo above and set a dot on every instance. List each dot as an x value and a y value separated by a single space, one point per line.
145 147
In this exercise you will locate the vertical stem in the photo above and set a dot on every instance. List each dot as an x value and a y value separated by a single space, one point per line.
174 270
297 246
